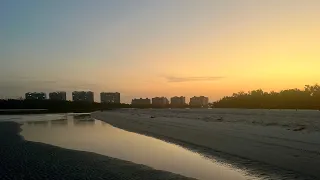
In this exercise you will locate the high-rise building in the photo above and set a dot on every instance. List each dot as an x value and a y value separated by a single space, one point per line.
178 101
86 96
141 101
59 96
109 97
199 101
35 96
160 101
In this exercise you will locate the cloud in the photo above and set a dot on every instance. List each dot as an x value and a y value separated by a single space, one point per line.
188 79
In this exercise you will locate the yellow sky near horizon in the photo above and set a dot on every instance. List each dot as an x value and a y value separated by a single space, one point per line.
272 56
167 48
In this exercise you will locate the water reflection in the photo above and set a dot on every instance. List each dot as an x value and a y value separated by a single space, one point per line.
83 123
87 134
38 123
59 122
82 116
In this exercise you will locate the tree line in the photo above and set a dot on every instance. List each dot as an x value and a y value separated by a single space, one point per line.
308 98
52 106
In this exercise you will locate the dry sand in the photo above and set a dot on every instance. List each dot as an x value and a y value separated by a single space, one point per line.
291 151
20 159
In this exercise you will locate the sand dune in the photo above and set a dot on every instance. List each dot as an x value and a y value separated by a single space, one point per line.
264 147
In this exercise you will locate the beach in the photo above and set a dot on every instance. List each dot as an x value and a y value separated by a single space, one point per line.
21 159
285 144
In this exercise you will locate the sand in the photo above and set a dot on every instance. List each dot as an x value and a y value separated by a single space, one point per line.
20 159
289 151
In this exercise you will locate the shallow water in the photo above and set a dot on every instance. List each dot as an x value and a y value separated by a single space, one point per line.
86 134
31 117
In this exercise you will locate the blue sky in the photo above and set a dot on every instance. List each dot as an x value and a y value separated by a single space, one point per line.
151 48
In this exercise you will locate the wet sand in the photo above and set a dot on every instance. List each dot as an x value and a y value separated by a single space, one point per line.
21 159
279 152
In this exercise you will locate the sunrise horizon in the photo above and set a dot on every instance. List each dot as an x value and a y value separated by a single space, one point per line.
165 48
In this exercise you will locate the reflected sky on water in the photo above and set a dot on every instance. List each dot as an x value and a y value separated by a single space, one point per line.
81 132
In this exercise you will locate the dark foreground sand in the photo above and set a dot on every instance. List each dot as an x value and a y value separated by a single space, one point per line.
20 159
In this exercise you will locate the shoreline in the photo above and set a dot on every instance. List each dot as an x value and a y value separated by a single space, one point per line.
21 159
49 111
231 143
35 111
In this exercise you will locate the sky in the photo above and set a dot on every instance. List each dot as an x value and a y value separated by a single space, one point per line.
147 48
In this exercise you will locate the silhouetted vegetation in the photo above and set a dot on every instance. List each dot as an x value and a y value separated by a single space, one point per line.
51 106
309 98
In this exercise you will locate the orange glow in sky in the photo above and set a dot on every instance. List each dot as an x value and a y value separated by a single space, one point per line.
165 48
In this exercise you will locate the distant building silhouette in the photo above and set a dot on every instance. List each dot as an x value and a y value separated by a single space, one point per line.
35 96
59 96
199 101
86 96
141 101
160 101
178 101
109 97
